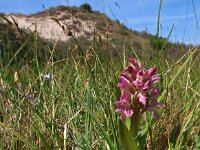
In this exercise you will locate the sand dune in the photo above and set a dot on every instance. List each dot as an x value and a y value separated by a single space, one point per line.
53 28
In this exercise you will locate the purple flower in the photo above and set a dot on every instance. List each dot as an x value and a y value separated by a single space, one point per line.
138 91
29 96
20 87
123 107
142 98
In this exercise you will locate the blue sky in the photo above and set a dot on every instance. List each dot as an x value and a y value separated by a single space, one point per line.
140 15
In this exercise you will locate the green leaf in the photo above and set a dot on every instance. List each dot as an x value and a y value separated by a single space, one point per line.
142 137
127 140
89 103
127 122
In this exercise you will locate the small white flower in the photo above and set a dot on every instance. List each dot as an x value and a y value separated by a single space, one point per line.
47 77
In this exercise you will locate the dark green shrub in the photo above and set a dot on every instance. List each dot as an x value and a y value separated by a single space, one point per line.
86 7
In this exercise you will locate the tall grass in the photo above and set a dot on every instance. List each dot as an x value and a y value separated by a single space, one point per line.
78 103
74 109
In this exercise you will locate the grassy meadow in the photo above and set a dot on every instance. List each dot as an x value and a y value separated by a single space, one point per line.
49 102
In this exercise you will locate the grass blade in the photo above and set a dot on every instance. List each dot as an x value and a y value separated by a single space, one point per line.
176 75
20 137
105 135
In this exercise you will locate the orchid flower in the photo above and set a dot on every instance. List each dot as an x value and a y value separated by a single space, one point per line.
138 95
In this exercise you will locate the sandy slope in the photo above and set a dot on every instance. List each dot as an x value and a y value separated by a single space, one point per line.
50 29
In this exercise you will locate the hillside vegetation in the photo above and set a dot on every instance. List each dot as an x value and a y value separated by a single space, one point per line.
55 25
